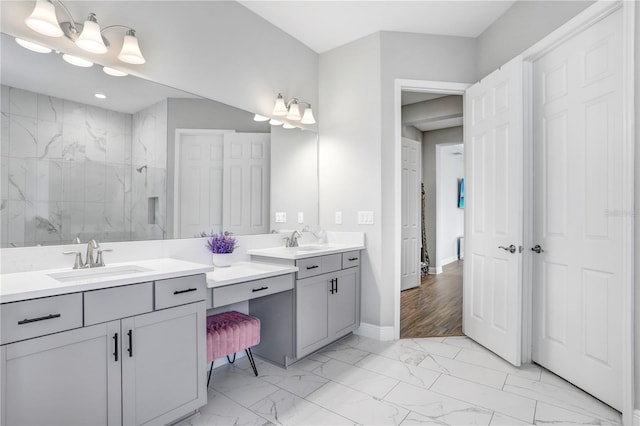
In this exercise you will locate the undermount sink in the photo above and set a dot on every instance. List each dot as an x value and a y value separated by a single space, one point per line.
101 272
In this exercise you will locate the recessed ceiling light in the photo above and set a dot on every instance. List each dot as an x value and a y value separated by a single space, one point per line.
79 62
100 96
114 72
35 47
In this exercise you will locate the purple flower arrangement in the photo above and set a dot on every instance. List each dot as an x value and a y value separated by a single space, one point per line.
221 243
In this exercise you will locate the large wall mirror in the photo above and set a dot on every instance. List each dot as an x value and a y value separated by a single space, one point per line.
147 162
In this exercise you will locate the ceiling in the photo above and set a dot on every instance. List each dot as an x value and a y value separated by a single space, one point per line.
324 25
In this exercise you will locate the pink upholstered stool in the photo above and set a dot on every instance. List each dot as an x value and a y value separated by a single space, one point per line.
231 332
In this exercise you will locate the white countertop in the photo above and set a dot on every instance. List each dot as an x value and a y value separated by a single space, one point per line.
305 251
246 271
29 285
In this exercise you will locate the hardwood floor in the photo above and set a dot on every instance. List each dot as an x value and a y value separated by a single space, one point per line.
435 307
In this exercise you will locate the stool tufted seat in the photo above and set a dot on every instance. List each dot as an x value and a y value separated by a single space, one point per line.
231 332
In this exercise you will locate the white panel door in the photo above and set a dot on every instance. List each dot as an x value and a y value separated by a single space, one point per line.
577 282
199 196
246 189
411 217
492 289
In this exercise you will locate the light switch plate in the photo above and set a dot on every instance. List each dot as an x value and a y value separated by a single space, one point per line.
281 217
365 218
338 218
300 217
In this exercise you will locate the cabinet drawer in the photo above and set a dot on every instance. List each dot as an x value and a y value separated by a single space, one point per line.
350 259
117 302
180 291
250 290
318 265
37 317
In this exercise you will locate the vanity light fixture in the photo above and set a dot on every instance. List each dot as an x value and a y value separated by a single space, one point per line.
291 110
35 47
87 36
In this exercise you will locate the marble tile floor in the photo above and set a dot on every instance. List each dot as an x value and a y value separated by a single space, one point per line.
432 381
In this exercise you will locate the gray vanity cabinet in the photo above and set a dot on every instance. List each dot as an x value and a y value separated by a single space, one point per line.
327 304
125 363
68 378
162 364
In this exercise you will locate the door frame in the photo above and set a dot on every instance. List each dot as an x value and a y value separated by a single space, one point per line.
583 20
176 167
580 22
446 88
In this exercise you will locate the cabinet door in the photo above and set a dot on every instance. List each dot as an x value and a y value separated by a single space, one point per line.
344 303
312 328
164 364
68 378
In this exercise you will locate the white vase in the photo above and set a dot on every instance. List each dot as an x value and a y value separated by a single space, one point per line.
221 260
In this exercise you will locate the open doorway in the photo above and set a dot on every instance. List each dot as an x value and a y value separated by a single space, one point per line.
431 304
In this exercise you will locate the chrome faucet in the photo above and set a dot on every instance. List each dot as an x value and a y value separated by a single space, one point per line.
292 241
88 260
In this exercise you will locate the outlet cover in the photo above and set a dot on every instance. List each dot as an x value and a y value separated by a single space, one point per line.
300 217
365 218
281 217
338 218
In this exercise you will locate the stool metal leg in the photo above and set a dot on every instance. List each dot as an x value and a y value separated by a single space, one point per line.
234 358
251 361
210 371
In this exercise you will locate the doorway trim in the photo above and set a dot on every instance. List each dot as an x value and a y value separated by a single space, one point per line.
443 87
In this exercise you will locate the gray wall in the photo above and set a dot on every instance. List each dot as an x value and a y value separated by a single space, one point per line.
349 166
429 142
520 27
201 114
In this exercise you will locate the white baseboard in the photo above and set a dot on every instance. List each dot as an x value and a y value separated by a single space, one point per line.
374 331
435 270
636 418
449 260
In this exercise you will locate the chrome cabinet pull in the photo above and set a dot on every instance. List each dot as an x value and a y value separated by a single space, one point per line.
46 317
510 249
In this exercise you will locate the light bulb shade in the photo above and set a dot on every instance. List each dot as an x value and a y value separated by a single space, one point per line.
259 117
275 122
294 112
78 62
130 52
280 108
35 47
307 117
288 126
43 19
114 72
90 38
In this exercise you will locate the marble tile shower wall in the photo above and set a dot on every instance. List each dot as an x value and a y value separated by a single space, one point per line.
149 179
66 171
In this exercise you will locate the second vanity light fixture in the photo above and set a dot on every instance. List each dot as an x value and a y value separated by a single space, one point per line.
87 36
289 110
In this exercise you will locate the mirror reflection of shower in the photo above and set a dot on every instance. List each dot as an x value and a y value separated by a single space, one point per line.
140 169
